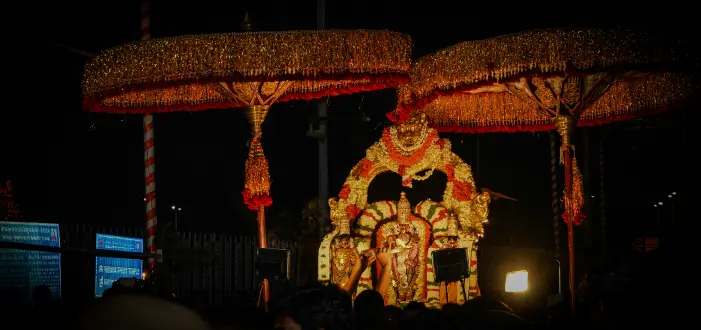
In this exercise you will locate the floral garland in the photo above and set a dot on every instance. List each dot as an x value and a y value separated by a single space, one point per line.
431 154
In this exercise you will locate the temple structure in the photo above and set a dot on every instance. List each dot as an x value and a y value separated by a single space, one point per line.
412 233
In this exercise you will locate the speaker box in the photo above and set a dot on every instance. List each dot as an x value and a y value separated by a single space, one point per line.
450 265
273 264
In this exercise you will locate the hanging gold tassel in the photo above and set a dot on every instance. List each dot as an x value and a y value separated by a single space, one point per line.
565 126
256 191
577 202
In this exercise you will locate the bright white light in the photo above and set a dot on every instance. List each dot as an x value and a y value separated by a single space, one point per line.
660 203
144 199
516 281
670 196
674 193
655 205
180 209
172 207
592 196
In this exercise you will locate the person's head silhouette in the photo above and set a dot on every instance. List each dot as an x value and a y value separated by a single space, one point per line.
41 295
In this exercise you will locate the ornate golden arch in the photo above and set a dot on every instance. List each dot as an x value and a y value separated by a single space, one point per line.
413 150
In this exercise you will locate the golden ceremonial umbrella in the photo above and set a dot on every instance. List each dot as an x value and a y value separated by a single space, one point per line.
249 70
244 70
540 80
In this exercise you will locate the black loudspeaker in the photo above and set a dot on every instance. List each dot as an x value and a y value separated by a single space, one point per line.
450 265
273 264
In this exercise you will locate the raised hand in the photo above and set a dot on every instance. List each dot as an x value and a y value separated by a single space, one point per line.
367 257
384 256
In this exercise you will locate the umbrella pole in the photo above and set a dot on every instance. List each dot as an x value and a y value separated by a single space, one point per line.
257 186
567 159
565 127
149 157
263 243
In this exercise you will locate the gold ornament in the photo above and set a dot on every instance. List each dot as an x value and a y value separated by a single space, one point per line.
344 227
452 226
409 136
403 209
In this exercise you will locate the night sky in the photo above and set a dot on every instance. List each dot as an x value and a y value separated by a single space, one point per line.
71 166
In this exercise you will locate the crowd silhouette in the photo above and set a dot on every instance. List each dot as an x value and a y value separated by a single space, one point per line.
621 295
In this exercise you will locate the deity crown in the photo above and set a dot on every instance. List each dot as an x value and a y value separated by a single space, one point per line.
344 225
336 211
403 203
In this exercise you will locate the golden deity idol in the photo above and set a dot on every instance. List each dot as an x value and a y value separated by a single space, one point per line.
344 254
407 238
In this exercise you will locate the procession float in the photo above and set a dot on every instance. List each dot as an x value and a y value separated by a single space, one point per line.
414 151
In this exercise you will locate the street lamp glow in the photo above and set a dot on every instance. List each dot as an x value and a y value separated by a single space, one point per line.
144 199
655 205
674 193
516 281
660 203
172 207
180 209
670 196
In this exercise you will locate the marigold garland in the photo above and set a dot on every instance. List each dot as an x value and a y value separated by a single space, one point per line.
365 168
345 192
462 191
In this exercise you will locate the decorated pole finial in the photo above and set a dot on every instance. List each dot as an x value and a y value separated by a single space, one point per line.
255 115
565 127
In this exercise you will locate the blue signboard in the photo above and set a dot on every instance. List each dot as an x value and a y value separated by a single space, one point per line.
23 270
43 234
119 243
107 269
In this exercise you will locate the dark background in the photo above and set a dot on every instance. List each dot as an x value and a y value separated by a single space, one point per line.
71 166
